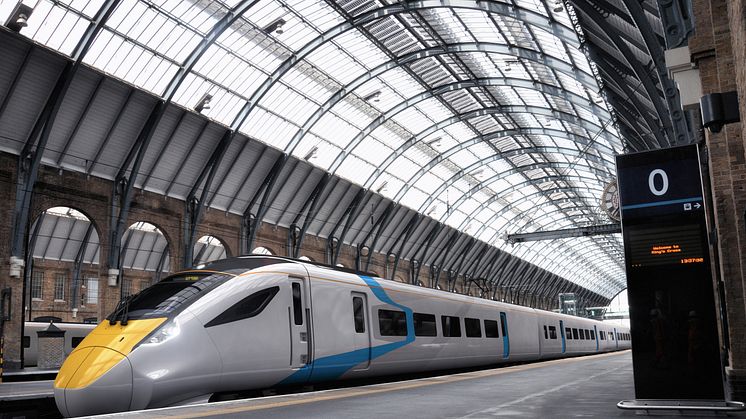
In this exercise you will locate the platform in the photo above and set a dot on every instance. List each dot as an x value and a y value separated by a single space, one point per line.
26 390
577 387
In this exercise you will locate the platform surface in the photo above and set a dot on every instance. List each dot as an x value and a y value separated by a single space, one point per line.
587 387
26 390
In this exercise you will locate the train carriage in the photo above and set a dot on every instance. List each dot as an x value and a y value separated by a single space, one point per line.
258 321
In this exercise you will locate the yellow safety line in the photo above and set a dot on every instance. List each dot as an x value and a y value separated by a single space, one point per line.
355 392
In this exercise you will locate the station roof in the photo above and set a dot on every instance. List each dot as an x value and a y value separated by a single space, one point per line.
487 117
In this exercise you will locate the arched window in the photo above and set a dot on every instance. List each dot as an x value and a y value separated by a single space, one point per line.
262 251
207 249
145 248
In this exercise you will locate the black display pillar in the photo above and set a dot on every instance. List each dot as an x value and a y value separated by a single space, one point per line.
675 349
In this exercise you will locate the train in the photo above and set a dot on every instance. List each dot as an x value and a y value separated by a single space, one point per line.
257 322
74 334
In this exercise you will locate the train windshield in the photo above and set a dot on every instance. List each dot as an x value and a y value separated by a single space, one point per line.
168 296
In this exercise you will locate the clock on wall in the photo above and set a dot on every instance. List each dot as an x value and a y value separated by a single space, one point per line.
610 200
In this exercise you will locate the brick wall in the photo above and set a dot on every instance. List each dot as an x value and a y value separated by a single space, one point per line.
91 196
719 50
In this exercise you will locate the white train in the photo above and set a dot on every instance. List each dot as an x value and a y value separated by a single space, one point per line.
74 334
259 321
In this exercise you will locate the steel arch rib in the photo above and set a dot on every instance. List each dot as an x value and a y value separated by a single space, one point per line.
435 128
567 34
540 193
518 169
484 47
641 74
511 189
402 106
480 139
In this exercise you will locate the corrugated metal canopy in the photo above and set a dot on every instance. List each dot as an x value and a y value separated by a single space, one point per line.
485 116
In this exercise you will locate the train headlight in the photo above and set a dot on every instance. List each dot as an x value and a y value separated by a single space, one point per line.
168 331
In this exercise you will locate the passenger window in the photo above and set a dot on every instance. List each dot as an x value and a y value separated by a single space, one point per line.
451 326
490 329
593 335
424 325
76 341
587 334
575 333
246 308
552 332
392 323
473 328
546 334
297 307
358 314
568 333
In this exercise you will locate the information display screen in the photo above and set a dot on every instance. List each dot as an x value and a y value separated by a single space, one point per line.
674 245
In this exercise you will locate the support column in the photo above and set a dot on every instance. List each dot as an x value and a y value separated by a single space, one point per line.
717 48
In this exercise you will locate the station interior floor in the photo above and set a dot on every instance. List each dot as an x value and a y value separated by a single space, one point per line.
582 387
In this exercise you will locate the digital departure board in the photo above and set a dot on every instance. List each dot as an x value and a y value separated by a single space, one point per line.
672 245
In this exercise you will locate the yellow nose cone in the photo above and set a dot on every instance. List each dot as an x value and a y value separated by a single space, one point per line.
83 367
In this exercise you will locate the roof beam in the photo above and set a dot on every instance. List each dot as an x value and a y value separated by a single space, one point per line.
595 230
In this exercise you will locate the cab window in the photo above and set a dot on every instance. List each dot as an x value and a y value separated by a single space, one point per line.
247 308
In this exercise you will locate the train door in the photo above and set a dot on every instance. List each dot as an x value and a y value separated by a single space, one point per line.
562 334
361 337
506 338
616 339
301 350
595 334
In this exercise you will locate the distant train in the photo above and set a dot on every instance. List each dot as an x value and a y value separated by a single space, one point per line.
74 334
261 321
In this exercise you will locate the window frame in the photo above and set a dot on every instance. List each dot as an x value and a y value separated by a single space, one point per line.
472 333
396 318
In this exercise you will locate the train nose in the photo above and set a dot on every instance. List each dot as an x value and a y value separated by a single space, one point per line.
93 380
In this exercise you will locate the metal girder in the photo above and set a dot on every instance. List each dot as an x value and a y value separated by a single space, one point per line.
194 207
676 20
601 60
308 211
519 169
541 193
431 235
379 226
249 175
217 30
496 135
640 72
436 91
681 132
525 15
16 77
440 256
483 47
78 263
83 115
122 194
562 234
161 261
403 237
459 118
349 215
511 189
264 191
396 109
29 159
110 130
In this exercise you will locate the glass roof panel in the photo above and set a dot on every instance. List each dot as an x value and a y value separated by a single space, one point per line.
146 42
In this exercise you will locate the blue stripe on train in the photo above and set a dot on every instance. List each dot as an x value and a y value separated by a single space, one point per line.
333 366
